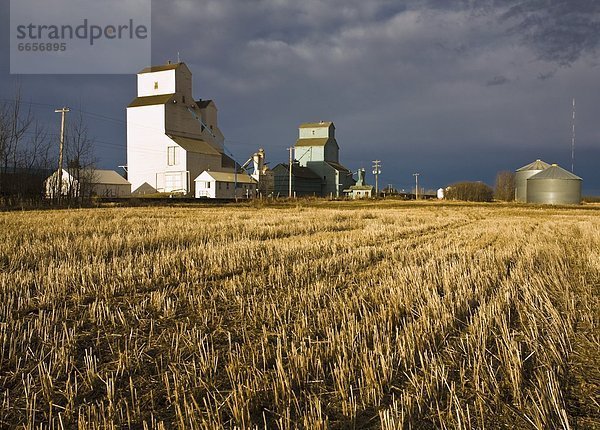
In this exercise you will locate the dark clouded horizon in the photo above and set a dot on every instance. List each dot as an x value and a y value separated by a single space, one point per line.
456 90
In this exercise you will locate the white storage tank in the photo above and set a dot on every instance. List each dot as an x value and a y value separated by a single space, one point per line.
525 173
554 186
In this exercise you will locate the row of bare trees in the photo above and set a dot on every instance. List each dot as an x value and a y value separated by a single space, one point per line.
29 153
505 186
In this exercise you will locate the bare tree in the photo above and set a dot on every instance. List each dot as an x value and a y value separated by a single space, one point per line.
470 191
19 125
15 122
4 139
505 186
80 159
38 154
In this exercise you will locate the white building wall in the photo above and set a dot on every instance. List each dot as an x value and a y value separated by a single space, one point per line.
313 132
146 83
146 145
205 187
305 154
221 190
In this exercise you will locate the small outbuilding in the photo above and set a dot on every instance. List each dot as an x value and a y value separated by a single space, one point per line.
361 190
86 183
108 183
222 185
554 186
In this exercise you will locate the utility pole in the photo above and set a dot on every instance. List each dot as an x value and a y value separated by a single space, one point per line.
377 172
291 148
63 113
416 175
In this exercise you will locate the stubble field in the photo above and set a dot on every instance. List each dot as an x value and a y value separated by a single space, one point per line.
383 316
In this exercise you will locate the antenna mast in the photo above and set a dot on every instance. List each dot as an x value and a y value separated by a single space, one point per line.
573 140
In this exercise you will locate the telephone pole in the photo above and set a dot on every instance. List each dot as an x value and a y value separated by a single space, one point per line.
291 149
377 172
63 113
416 175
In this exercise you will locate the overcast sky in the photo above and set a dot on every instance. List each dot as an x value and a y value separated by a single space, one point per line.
455 90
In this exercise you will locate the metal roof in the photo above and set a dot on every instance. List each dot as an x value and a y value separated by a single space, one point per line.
97 176
194 145
313 141
151 100
337 166
229 177
108 177
555 172
536 165
162 68
316 124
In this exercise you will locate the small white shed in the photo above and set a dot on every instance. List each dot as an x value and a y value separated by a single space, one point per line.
222 185
91 182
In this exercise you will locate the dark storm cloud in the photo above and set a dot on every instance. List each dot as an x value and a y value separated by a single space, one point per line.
497 80
417 84
560 30
547 75
414 78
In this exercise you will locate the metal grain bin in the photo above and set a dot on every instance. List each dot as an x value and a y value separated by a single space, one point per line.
525 173
554 186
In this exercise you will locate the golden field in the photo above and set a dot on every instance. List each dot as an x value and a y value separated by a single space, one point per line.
339 315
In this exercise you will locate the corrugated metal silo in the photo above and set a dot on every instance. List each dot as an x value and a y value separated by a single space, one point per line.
525 173
554 186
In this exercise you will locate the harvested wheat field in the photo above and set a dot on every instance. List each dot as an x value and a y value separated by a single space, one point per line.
386 316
